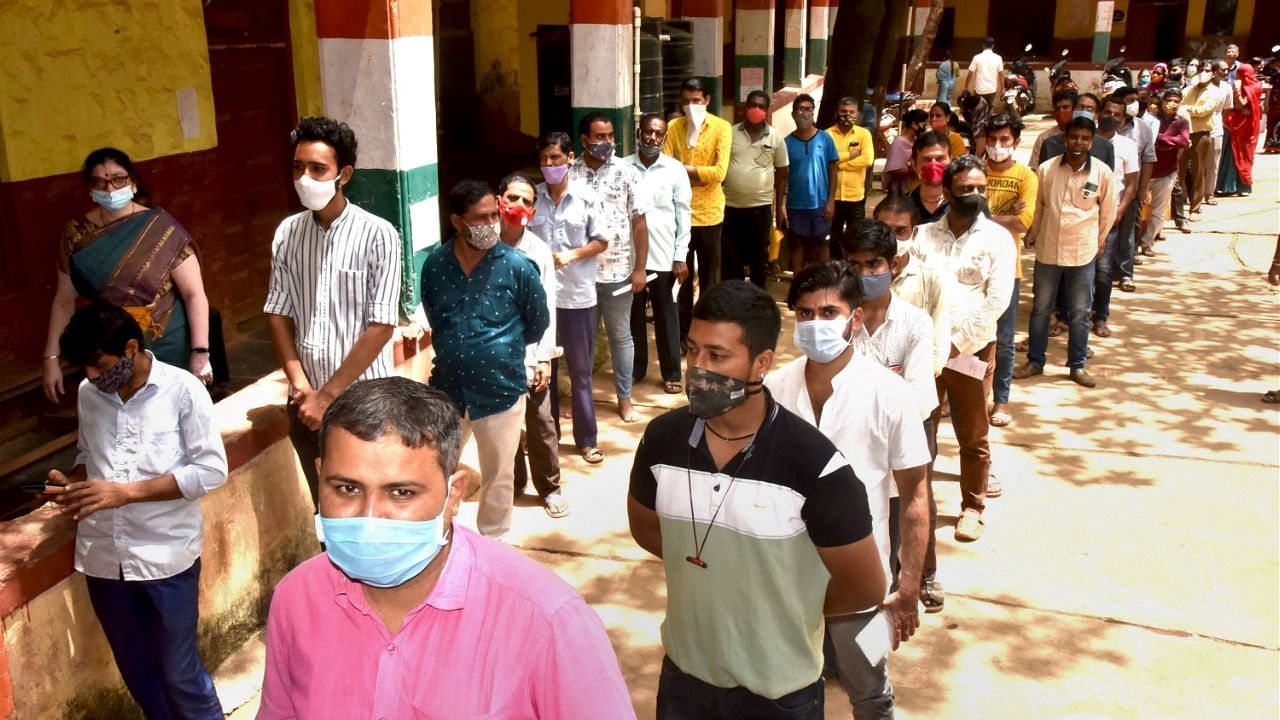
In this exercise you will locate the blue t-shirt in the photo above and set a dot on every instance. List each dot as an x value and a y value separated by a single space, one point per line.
808 181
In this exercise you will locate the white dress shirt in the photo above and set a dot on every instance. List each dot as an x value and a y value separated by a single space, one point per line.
977 276
543 350
166 427
872 419
670 213
904 344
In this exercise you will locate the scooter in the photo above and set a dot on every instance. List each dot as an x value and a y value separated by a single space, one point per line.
1060 76
1117 68
1269 73
1020 84
896 104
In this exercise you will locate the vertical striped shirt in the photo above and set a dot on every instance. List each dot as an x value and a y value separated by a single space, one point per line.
334 283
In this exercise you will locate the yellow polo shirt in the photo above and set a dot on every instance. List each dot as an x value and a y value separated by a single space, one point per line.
710 155
851 172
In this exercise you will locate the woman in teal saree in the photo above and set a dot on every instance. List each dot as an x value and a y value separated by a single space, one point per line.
137 257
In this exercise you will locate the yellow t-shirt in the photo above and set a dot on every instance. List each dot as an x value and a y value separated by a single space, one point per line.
1006 188
851 173
710 154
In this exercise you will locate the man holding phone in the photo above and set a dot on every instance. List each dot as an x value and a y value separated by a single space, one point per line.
148 451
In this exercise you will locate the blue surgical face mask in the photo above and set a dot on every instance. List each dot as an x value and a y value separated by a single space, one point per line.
1081 114
382 552
114 200
875 286
822 340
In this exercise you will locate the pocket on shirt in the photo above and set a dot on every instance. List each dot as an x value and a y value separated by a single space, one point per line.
160 452
971 273
1083 202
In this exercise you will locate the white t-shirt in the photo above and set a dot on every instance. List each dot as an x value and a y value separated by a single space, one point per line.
1126 160
872 419
986 67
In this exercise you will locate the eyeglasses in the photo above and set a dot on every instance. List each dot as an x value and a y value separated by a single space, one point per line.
116 181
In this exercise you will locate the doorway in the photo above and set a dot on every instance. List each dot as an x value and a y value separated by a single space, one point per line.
1155 29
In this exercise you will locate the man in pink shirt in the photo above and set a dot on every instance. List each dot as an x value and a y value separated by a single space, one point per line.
409 615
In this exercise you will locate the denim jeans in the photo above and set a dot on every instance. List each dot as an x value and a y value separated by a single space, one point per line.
867 685
617 325
151 627
1126 243
1109 262
1005 353
945 88
684 697
576 333
1078 282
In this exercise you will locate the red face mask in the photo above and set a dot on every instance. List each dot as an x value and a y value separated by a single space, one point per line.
516 215
931 173
756 115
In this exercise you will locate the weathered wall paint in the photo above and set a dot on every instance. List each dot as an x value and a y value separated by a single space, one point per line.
305 47
1074 20
530 15
72 80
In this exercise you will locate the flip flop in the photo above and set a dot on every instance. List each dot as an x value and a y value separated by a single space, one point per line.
1271 397
672 388
1126 284
1001 418
1057 329
592 455
555 505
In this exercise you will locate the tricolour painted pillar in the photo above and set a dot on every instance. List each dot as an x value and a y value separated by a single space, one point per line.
753 25
377 70
601 48
820 14
707 18
793 40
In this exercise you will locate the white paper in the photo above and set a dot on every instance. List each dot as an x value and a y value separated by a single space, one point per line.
969 365
1103 20
876 638
188 112
627 288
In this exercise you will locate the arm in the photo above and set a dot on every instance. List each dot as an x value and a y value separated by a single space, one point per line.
1106 209
780 180
857 579
1023 210
367 348
577 676
190 286
829 210
865 154
279 311
1130 192
82 498
968 78
913 528
969 336
533 307
684 222
285 345
940 314
594 247
714 174
64 306
640 246
645 527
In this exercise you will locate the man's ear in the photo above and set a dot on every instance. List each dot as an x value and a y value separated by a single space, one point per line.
458 483
344 176
763 362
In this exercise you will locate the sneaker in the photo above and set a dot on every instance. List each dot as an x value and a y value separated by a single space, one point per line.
994 488
969 526
931 596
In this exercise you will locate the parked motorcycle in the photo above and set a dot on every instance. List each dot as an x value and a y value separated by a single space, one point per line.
1117 68
896 104
1060 76
1020 84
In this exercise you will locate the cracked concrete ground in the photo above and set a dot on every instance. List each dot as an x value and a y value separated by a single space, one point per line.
1131 568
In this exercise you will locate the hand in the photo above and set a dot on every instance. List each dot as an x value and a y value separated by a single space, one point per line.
563 258
1102 245
1029 239
638 280
312 406
541 376
680 270
199 366
1273 276
411 331
955 352
52 379
829 211
782 219
854 151
1018 207
904 615
82 499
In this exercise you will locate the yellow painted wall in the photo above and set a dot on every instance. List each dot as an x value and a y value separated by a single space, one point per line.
1244 16
971 18
306 57
1074 19
1118 29
530 16
497 56
79 74
1195 17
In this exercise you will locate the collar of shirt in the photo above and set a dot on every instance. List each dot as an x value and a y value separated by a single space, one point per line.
156 374
1087 167
742 127
942 228
338 221
449 592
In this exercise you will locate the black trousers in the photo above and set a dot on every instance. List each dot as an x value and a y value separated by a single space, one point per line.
746 243
542 445
666 325
306 442
847 215
704 260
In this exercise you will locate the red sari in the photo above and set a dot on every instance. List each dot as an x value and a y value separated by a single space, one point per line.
1244 120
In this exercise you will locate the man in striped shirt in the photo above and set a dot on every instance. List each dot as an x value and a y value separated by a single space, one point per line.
335 285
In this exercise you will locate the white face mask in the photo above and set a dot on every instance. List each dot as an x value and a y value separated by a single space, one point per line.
696 113
1132 109
999 153
315 194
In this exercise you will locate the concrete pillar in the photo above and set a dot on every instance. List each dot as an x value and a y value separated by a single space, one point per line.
377 71
707 17
794 17
601 49
753 25
821 16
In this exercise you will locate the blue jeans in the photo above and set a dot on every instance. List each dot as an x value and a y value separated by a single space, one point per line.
684 697
944 90
867 685
1078 286
151 627
617 325
576 333
1103 267
1005 353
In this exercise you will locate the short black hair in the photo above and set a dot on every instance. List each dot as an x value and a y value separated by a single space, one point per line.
1091 96
591 118
962 164
466 194
929 139
946 107
1170 92
1002 121
418 415
803 97
513 178
872 235
747 306
832 274
988 42
759 94
1065 95
335 134
897 203
1082 122
849 100
557 138
105 154
1114 98
695 84
98 329
915 115
645 118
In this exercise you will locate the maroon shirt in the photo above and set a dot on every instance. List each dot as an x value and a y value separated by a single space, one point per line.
1175 135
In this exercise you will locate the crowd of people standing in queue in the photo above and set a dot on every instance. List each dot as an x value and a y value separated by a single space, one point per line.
781 499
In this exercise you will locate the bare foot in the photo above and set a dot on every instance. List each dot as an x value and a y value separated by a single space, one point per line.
566 413
627 411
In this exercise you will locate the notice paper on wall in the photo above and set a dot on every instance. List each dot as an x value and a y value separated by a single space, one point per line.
970 365
188 112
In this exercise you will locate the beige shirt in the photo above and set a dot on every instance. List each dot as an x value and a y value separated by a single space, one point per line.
753 166
1074 210
976 269
921 287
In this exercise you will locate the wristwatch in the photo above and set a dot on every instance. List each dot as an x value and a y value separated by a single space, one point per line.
200 350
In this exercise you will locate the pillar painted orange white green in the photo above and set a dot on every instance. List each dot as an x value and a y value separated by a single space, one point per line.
820 14
377 71
753 26
793 41
707 18
601 49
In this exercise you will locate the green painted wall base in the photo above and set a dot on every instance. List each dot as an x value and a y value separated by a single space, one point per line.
388 194
816 56
764 62
792 65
